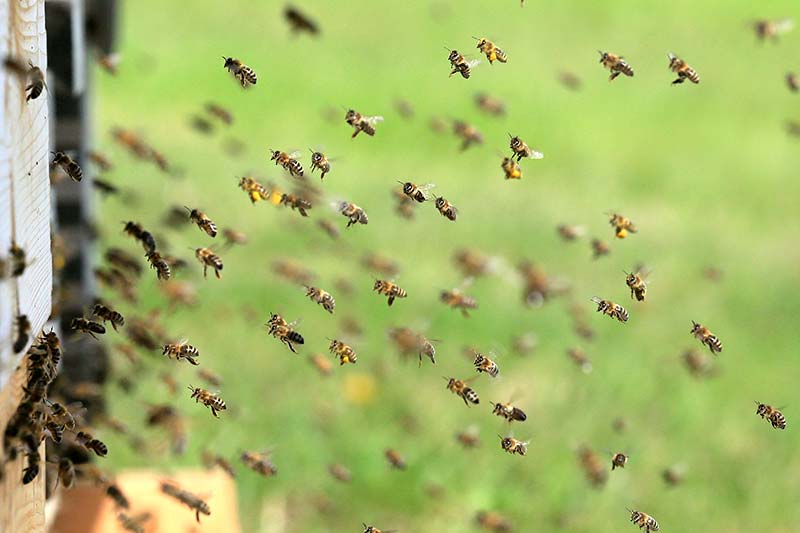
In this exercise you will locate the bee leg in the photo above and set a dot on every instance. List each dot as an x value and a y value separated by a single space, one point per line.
214 412
465 401
323 176
93 335
216 272
205 269
197 514
353 136
391 300
464 312
679 80
289 344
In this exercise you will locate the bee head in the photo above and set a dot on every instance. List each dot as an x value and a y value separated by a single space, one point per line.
481 42
439 202
453 55
408 187
603 55
274 154
228 61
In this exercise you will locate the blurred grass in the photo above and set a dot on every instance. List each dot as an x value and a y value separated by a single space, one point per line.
707 173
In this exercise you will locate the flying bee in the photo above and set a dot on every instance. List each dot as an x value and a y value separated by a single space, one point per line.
472 263
395 459
233 236
340 472
490 520
260 463
607 307
66 473
190 500
380 263
288 161
160 264
520 149
389 289
469 438
322 297
569 80
468 134
68 165
511 168
135 230
704 335
672 476
323 365
299 22
490 104
106 314
202 221
373 529
792 82
23 333
92 444
772 29
208 259
102 162
361 123
330 229
492 52
293 271
135 523
616 64
109 63
255 191
210 460
31 74
483 364
509 412
457 300
514 446
209 399
644 521
296 202
459 388
344 352
593 468
622 225
446 209
682 69
320 161
637 285
415 192
240 71
283 331
600 248
404 108
460 64
181 350
698 364
87 326
774 416
570 233
618 460
354 213
220 112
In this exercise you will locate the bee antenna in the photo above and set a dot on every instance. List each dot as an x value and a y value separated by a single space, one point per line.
187 208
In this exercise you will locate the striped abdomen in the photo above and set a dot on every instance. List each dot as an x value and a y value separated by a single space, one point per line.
689 73
470 395
366 127
246 75
713 343
620 313
294 167
35 89
295 337
624 67
777 420
500 55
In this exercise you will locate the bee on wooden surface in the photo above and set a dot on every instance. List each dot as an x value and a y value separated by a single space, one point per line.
92 444
600 248
491 51
579 357
240 71
520 149
569 80
202 221
283 331
607 307
457 300
483 364
698 364
208 259
704 335
592 466
774 416
616 64
390 289
469 437
682 69
570 233
772 29
644 521
446 209
68 165
514 446
618 460
299 22
255 191
320 161
209 399
220 112
288 161
163 271
793 82
468 134
210 460
340 472
395 459
361 123
193 502
490 104
23 326
31 74
145 238
509 412
460 64
330 229
460 388
260 463
295 202
180 351
293 271
492 521
511 169
87 326
354 213
322 364
322 297
622 225
344 352
107 314
636 284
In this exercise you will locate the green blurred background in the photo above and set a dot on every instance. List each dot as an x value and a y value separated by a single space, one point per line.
707 172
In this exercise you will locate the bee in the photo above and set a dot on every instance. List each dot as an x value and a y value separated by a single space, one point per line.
255 191
490 104
457 300
344 352
323 365
259 462
66 473
209 399
293 271
619 425
102 162
682 69
774 416
772 29
87 326
600 248
33 76
340 472
202 125
616 64
354 213
208 259
698 364
404 108
492 52
68 165
92 444
380 263
395 459
509 412
492 521
179 293
373 529
448 210
220 112
483 364
135 230
596 474
389 289
704 335
672 476
418 193
210 460
132 142
109 63
511 168
469 438
622 225
570 233
296 202
299 21
240 71
233 236
460 388
287 161
161 266
23 333
472 263
644 521
134 524
569 80
361 123
320 161
618 460
578 356
636 284
281 330
329 228
607 307
106 314
514 446
460 64
181 350
520 149
202 221
104 186
187 498
322 297
792 82
468 134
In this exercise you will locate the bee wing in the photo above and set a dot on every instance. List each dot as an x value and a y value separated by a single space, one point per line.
472 63
374 120
427 187
295 154
294 322
536 155
784 25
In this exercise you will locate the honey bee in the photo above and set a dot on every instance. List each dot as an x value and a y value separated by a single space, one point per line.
340 472
33 76
323 365
322 297
106 314
569 80
395 459
520 149
181 350
190 500
618 460
255 191
704 335
132 142
774 416
66 473
202 125
792 82
220 112
492 52
109 63
616 64
240 71
380 263
511 168
102 162
179 293
345 353
446 209
483 364
619 425
92 444
87 326
644 521
492 521
460 64
208 259
490 104
772 29
296 202
509 412
68 165
299 22
354 213
460 388
329 228
578 356
415 192
281 330
596 473
457 300
170 381
600 248
23 326
135 523
105 187
210 460
373 529
468 134
698 364
622 225
161 266
469 438
233 236
293 271
288 161
636 284
672 476
117 496
361 123
405 206
320 161
389 289
135 230
607 307
404 108
472 263
209 399
514 446
260 463
202 221
682 69
570 233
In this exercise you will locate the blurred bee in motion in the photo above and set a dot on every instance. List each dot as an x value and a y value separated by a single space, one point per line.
616 64
92 444
607 307
404 108
361 123
201 125
255 191
395 459
329 228
618 460
579 357
132 142
704 335
570 233
295 202
774 416
105 187
23 327
622 225
468 134
102 162
514 446
240 71
216 110
469 438
446 209
511 169
509 411
457 300
66 473
293 271
208 259
490 520
68 165
380 263
322 297
682 69
117 496
161 266
107 314
483 364
354 213
87 326
320 161
415 192
492 52
489 104
193 502
323 365
593 468
772 29
600 248
672 476
405 205
283 331
179 293
373 529
210 460
259 462
698 364
145 238
792 82
134 523
525 343
109 63
636 284
209 377
793 128
340 472
33 76
202 221
619 425
181 350
345 353
299 22
18 261
569 80
209 399
472 263
233 236
390 289
644 521
460 388
520 149
288 161
460 64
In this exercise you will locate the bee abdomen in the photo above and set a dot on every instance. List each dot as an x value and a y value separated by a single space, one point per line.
777 420
248 74
295 337
294 167
471 396
36 90
714 344
692 75
367 128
